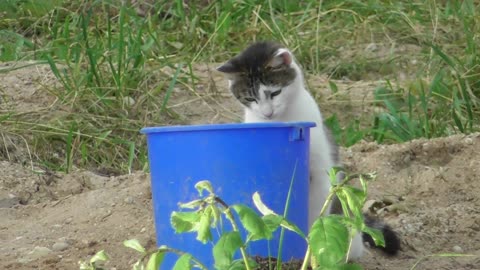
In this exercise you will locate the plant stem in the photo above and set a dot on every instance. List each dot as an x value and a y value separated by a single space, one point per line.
306 259
285 212
230 218
349 246
324 208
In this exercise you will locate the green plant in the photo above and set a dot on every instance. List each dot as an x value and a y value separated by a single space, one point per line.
95 261
328 241
347 136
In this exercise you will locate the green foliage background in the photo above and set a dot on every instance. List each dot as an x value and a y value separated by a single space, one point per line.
107 57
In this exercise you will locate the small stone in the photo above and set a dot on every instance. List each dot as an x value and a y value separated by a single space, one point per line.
128 200
469 141
372 206
36 253
68 220
143 230
9 202
129 101
457 249
407 158
60 246
371 47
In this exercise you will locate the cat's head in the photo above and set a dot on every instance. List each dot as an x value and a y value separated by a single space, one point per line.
264 78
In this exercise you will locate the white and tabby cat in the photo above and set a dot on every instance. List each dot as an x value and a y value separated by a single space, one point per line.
269 83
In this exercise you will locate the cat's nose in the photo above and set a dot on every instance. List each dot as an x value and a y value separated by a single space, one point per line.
268 114
266 110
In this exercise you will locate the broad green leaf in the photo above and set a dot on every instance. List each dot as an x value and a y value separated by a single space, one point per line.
204 233
192 204
333 86
85 266
252 222
225 248
355 224
343 201
355 198
292 227
204 185
155 260
184 221
262 208
376 234
99 256
363 181
183 263
332 176
329 240
134 244
272 221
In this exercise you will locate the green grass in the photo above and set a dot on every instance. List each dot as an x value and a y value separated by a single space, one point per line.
117 69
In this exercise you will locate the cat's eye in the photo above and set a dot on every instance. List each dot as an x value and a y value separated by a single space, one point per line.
276 93
250 99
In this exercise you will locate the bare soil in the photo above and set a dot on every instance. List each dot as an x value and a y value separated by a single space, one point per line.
427 190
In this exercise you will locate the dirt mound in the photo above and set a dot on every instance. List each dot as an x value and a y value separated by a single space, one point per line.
429 189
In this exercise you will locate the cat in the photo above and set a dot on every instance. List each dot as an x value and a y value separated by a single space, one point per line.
266 79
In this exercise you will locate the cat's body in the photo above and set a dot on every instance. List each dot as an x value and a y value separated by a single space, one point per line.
269 83
302 107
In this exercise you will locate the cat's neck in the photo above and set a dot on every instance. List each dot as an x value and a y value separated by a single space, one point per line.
299 82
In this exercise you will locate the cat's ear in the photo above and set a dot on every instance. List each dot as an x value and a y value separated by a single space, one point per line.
282 57
229 70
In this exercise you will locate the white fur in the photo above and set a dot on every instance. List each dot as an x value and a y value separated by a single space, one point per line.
295 104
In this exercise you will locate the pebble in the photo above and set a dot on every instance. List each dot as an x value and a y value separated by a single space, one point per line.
129 101
371 47
68 220
9 202
468 141
36 253
371 206
128 200
457 249
143 230
60 246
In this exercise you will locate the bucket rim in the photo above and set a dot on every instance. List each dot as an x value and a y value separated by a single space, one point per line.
228 126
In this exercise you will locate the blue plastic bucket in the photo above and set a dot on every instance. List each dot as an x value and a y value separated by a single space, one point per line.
238 159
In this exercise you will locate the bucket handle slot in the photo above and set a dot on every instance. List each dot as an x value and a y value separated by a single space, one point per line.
297 134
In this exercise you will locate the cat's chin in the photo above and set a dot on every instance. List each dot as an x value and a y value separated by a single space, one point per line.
270 118
260 118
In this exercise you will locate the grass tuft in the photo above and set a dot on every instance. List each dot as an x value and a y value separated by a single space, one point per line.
118 65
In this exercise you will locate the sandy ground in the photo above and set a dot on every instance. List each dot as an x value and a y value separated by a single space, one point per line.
427 190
